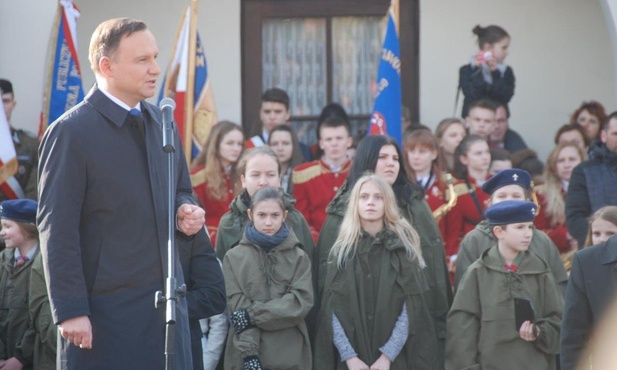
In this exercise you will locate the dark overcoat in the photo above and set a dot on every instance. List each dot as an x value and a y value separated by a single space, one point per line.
592 287
103 227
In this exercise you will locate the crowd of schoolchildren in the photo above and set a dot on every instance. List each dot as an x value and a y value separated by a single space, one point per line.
448 251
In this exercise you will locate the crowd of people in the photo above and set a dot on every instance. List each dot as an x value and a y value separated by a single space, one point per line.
455 249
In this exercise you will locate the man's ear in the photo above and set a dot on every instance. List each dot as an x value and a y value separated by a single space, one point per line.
249 212
105 66
285 214
603 136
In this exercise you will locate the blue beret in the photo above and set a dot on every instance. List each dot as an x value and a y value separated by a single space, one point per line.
22 210
511 212
512 176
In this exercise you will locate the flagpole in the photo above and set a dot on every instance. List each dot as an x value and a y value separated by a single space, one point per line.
397 16
190 85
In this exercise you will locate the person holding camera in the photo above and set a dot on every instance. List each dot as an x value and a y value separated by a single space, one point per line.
486 76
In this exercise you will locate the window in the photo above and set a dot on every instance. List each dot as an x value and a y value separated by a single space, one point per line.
318 51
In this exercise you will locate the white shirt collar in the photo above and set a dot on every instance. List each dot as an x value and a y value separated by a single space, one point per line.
118 101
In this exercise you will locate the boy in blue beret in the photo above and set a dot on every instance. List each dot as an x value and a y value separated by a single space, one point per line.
509 184
483 330
18 218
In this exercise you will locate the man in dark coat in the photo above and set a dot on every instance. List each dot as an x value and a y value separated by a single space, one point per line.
592 184
592 288
103 213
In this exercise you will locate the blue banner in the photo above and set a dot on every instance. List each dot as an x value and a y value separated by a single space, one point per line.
63 85
386 116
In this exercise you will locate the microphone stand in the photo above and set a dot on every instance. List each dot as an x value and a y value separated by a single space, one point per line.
172 291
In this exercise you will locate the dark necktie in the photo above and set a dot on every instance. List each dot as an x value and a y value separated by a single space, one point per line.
137 121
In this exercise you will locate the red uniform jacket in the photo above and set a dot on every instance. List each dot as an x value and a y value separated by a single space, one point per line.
315 185
465 215
435 197
215 209
557 233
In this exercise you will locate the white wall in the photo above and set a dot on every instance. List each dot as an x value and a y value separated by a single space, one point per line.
23 52
24 34
560 52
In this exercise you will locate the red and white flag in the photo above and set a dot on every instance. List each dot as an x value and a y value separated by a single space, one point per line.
8 160
187 82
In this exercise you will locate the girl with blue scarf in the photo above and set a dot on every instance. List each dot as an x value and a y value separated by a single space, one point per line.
269 291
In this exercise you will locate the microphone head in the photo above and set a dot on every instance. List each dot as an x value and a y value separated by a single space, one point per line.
167 102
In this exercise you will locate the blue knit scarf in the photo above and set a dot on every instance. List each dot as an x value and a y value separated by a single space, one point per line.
266 242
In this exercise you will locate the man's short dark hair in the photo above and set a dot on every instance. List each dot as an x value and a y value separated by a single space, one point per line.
483 103
6 87
107 36
571 127
608 119
499 104
276 95
333 122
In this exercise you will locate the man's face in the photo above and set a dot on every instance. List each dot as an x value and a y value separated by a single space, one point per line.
9 104
480 121
273 114
334 142
132 70
501 125
609 135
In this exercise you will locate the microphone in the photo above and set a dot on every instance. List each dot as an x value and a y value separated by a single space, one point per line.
167 107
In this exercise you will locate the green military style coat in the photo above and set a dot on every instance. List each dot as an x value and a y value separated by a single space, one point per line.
481 323
415 209
367 296
231 227
481 239
42 321
16 332
276 289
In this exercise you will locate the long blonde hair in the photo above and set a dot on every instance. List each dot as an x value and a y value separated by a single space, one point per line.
555 203
351 230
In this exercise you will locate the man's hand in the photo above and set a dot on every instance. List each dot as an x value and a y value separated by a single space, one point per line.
11 364
191 218
78 331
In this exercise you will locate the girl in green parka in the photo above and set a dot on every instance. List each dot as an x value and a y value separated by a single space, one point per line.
258 167
269 291
17 336
485 329
373 313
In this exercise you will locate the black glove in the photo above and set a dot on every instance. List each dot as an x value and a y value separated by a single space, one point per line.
240 321
252 363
